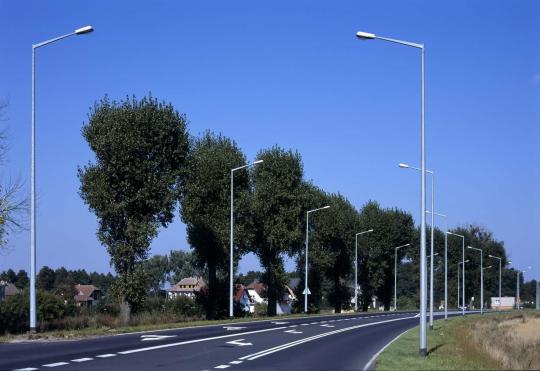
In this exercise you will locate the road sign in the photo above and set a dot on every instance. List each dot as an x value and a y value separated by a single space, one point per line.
308 292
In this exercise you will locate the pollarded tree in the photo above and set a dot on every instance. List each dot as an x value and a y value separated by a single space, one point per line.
277 215
334 236
206 208
135 184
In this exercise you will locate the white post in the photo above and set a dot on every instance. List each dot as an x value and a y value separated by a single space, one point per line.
231 261
306 269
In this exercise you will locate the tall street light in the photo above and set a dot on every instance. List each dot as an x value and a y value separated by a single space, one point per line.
517 287
500 276
406 166
459 264
423 336
306 288
481 277
231 263
356 267
79 31
445 261
463 259
395 273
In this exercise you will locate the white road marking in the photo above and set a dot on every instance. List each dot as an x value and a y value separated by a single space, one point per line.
239 343
313 323
197 340
222 366
293 332
374 358
305 340
56 364
293 326
155 337
305 324
26 369
106 355
235 362
279 323
233 328
81 360
328 326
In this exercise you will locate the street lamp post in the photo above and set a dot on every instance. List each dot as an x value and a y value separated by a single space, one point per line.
395 274
517 288
231 253
460 263
445 262
306 288
356 267
481 277
79 31
500 276
423 336
463 259
432 173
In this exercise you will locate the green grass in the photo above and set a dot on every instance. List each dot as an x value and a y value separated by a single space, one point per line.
449 348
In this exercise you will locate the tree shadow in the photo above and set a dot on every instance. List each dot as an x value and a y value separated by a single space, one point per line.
435 348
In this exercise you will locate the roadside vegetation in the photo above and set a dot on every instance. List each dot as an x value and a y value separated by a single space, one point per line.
494 341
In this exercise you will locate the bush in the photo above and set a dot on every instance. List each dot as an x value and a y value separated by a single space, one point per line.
14 314
261 309
184 307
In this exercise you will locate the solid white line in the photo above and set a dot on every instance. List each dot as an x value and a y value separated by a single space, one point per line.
81 360
305 340
56 364
199 340
222 366
374 358
106 355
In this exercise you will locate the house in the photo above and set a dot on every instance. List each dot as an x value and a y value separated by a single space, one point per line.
257 294
242 299
506 302
188 286
87 295
7 289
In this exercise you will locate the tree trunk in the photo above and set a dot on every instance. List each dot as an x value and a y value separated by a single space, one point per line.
125 312
337 292
212 283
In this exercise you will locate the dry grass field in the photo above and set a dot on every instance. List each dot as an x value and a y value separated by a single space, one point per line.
513 340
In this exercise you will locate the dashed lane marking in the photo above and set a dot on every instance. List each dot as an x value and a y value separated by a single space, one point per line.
223 366
56 364
106 355
235 362
78 360
293 332
26 369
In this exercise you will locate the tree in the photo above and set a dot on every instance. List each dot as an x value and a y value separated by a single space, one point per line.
277 215
205 211
184 264
136 182
22 279
45 279
391 228
157 271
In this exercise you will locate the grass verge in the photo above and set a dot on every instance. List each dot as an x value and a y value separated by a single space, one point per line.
450 348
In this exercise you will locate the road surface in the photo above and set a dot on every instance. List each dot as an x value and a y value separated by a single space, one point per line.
337 342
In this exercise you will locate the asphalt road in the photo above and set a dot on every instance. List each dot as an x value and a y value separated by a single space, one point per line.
337 342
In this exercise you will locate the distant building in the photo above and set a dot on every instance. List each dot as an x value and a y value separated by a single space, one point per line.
507 302
257 294
186 287
7 289
242 298
87 296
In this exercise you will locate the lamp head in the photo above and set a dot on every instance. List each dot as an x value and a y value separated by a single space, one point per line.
404 166
365 35
258 161
83 30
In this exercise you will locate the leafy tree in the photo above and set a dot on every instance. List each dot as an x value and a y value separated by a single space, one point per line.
135 183
249 277
157 271
277 215
205 211
45 279
184 264
22 280
391 228
9 276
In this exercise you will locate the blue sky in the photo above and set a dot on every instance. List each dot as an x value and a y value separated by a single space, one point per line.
293 74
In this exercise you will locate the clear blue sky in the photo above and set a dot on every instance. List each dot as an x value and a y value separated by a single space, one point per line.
290 73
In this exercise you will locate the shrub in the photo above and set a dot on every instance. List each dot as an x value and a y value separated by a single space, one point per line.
184 307
261 309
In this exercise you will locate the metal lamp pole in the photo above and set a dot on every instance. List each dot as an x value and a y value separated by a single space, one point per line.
500 276
306 289
79 31
463 257
481 278
460 263
406 166
445 262
356 268
395 273
231 262
423 336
